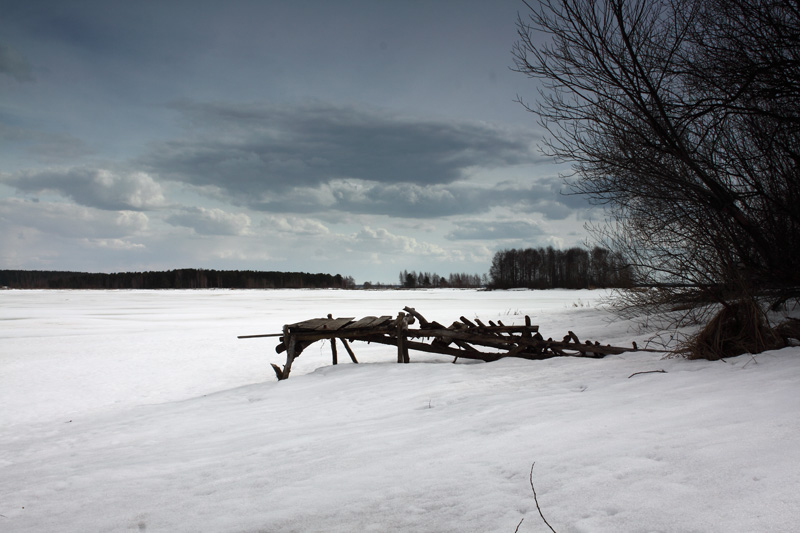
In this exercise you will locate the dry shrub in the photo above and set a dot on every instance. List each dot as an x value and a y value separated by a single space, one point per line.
739 327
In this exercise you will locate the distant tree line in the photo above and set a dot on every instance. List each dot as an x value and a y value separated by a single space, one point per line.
428 280
187 278
548 268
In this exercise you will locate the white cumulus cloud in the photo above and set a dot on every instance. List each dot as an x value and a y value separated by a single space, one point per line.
93 187
212 221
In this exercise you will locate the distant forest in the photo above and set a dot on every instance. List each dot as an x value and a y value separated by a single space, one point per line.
425 280
547 268
187 278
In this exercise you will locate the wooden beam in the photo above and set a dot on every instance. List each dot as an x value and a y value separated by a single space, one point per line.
261 335
442 350
349 350
467 321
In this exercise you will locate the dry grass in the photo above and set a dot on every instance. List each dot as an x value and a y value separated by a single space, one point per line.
740 327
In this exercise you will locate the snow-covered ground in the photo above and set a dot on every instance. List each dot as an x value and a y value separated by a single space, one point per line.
142 411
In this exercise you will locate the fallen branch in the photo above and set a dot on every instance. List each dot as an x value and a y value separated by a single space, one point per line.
535 499
648 372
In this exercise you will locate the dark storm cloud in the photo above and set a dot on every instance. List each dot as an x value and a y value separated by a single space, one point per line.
13 64
321 157
249 151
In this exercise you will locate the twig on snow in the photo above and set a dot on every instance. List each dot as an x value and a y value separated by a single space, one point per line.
752 359
520 523
535 499
648 372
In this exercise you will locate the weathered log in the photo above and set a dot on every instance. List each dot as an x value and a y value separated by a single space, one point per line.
413 312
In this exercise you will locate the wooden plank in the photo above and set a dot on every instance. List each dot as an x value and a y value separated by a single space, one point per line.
310 324
361 322
335 324
320 324
382 321
369 322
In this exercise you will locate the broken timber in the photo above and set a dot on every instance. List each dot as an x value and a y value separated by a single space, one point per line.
465 339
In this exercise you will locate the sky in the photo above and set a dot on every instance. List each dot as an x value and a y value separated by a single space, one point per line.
359 138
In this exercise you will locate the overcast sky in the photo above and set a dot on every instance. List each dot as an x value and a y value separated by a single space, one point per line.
359 138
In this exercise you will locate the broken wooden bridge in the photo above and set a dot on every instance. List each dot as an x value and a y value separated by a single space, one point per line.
465 338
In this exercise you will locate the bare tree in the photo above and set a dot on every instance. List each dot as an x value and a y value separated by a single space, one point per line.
681 116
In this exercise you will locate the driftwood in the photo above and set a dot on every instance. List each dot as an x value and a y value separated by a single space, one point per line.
465 338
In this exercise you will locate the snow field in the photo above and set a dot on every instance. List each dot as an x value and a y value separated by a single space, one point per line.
134 411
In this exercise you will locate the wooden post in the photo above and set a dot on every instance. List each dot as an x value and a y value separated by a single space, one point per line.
402 349
291 342
334 355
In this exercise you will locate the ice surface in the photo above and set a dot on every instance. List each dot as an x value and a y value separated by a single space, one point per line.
141 410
